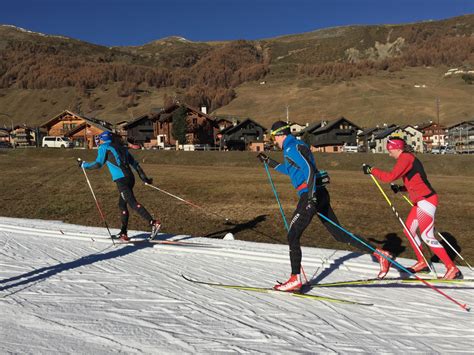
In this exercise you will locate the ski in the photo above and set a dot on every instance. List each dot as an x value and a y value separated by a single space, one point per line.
388 281
165 242
270 290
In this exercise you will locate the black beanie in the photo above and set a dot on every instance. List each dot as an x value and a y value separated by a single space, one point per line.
280 128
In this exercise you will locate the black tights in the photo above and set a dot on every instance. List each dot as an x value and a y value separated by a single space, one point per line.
125 186
302 217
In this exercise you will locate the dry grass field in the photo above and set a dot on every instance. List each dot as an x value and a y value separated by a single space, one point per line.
47 184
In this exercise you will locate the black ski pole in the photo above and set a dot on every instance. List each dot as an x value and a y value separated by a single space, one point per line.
96 202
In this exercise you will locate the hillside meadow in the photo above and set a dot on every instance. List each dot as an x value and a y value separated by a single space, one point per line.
47 184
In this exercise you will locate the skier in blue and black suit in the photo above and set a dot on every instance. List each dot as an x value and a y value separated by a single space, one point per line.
310 183
119 161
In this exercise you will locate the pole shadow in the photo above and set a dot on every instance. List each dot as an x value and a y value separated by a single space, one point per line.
239 227
328 271
38 275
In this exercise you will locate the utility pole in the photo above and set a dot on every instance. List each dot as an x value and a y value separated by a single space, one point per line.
437 117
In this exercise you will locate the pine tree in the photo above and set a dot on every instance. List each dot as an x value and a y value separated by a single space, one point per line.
180 125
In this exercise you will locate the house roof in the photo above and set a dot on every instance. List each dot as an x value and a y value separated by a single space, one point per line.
423 125
409 125
471 123
334 123
101 124
310 128
231 129
387 132
369 131
167 113
137 120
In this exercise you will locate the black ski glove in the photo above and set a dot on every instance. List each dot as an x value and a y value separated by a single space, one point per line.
143 176
367 169
266 159
397 188
79 162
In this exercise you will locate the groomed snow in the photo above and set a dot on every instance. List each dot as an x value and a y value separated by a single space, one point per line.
66 289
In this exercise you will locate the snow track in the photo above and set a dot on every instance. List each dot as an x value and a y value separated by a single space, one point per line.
67 289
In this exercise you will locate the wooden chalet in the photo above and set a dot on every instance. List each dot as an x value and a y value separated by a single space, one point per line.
201 127
332 136
246 135
434 135
138 131
80 129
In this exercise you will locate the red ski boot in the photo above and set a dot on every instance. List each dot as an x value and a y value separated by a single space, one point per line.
420 266
123 237
293 284
384 263
453 273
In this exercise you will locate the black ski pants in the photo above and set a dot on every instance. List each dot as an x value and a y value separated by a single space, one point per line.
125 186
301 219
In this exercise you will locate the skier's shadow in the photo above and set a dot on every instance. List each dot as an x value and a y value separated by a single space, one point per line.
38 275
333 267
453 242
391 243
236 228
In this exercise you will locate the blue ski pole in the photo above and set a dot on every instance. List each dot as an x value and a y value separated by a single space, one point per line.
463 306
276 196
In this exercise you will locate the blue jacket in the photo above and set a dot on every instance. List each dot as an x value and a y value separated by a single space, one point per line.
299 165
117 159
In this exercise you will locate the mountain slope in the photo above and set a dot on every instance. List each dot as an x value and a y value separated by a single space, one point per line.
367 73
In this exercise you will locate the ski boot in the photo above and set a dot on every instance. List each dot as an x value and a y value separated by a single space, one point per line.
453 273
293 284
155 228
122 236
420 266
384 263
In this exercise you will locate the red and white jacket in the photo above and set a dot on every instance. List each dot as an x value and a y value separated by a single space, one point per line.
410 169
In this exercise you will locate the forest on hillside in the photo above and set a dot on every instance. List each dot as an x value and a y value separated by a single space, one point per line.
212 75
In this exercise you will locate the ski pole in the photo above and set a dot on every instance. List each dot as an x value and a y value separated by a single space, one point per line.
402 223
186 202
463 306
281 209
442 237
276 196
97 204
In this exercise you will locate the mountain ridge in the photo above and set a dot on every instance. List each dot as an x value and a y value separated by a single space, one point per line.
222 74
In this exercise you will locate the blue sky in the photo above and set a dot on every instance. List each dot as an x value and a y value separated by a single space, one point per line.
135 22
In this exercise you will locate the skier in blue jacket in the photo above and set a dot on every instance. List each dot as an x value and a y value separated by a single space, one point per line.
309 183
120 161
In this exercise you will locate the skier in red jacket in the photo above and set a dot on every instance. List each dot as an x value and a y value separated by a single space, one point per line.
425 201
